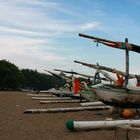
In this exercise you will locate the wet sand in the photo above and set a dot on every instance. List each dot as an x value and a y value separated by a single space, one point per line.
15 125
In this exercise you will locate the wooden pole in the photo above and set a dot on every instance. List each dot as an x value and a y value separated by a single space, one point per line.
75 73
51 98
92 103
96 38
106 68
73 109
127 63
61 101
41 95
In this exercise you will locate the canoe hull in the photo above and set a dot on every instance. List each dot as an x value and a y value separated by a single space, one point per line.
117 96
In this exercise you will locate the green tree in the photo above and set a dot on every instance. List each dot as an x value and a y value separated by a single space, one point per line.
13 78
9 74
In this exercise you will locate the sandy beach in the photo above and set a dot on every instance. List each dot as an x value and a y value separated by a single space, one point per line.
15 125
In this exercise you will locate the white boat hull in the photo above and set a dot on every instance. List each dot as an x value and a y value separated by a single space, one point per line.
118 96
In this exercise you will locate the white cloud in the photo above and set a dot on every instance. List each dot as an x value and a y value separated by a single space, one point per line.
90 26
18 31
22 47
29 18
28 32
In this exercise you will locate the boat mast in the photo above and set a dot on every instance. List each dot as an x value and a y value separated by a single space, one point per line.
126 62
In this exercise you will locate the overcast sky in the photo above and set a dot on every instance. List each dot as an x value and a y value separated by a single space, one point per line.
43 34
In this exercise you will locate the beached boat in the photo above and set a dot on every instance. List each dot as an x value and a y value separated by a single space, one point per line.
66 90
119 96
85 89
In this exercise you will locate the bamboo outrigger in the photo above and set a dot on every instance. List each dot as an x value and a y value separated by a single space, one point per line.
76 73
112 70
60 76
72 109
85 85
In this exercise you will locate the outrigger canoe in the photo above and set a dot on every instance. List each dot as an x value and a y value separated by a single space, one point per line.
119 96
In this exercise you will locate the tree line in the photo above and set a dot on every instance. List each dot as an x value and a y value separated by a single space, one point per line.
13 78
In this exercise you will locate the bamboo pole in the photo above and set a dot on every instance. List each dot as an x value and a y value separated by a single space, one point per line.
92 103
106 68
60 76
96 38
73 109
92 125
41 95
45 91
53 98
76 73
61 101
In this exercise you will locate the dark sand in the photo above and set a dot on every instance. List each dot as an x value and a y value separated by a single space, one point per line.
15 125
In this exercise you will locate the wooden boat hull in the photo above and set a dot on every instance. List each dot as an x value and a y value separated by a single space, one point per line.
118 96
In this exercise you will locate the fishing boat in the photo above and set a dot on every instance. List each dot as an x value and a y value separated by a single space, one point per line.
119 96
66 91
85 86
